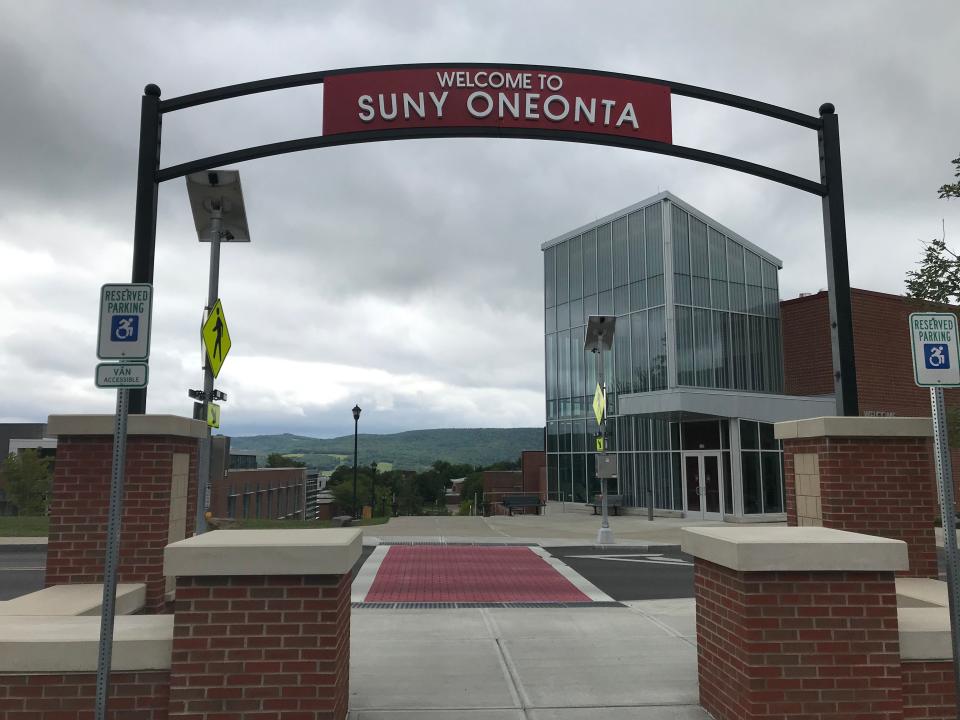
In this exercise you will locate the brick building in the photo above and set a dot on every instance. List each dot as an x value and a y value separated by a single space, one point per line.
881 337
530 479
265 493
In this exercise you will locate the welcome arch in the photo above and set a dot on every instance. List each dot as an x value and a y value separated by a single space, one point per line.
537 102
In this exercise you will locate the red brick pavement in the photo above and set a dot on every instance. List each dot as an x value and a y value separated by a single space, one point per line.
469 574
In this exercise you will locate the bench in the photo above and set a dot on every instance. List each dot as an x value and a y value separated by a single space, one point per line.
342 521
614 503
518 502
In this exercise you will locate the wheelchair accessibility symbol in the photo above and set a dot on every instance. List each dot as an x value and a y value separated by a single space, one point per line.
124 328
936 356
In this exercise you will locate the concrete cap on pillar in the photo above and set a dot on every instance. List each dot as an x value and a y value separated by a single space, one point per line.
265 552
170 425
761 549
854 427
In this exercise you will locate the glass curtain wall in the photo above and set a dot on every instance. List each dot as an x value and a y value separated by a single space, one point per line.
615 268
728 310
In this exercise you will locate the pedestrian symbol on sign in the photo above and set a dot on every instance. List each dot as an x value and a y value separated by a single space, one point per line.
124 328
936 356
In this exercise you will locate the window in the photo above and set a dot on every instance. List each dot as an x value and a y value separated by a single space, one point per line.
681 258
621 261
604 258
762 463
563 280
641 357
636 247
737 289
700 435
590 263
654 255
549 276
576 268
699 263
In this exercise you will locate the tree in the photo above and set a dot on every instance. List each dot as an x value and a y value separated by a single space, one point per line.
938 278
952 190
938 281
276 460
27 478
472 488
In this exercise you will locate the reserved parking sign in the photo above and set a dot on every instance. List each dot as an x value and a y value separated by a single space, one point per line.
934 341
124 332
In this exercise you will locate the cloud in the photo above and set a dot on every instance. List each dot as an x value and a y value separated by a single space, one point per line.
408 276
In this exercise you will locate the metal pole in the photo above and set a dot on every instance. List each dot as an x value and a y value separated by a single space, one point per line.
949 519
213 291
838 276
114 518
605 534
373 485
145 220
355 423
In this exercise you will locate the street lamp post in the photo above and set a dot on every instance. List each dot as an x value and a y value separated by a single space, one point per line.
373 485
599 338
356 421
216 201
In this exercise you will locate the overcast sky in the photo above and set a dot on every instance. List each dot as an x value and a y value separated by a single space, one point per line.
407 276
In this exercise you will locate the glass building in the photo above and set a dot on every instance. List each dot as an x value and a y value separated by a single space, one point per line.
695 378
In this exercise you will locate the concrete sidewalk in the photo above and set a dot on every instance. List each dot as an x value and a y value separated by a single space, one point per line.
526 664
558 526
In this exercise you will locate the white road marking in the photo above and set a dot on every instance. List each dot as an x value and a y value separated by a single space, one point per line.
645 558
575 578
367 574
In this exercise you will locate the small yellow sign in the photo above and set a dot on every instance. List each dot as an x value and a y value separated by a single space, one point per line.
599 404
213 415
216 338
599 444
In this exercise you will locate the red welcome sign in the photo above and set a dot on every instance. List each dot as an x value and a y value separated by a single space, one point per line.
438 97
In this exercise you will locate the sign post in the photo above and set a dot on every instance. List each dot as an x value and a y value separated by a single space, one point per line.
936 364
599 337
124 335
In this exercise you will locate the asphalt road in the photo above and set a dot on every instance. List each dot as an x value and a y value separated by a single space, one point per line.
632 573
21 569
622 573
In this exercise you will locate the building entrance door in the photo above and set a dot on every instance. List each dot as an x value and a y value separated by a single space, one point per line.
702 485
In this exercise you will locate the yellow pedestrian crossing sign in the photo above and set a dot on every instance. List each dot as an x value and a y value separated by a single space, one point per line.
599 404
216 338
213 415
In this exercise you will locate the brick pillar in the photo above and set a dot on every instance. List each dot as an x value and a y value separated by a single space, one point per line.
159 504
868 475
796 622
262 624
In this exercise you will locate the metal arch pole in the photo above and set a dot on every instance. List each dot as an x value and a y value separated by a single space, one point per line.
838 274
145 220
949 520
114 521
213 290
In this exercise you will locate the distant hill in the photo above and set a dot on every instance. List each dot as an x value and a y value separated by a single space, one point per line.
412 450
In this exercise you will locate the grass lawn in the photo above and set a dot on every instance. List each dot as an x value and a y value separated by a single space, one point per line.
18 526
296 524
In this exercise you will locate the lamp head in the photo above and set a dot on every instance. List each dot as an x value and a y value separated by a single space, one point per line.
356 412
